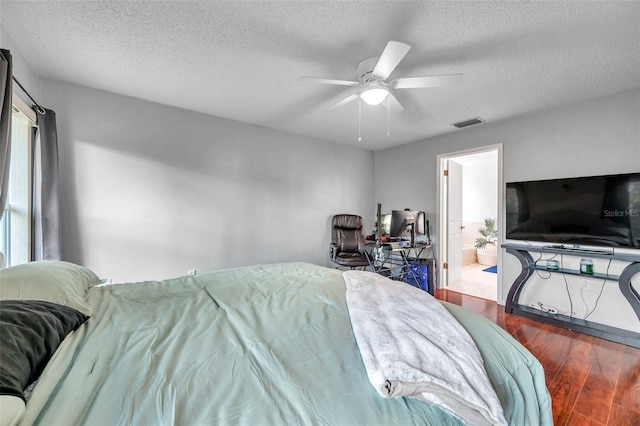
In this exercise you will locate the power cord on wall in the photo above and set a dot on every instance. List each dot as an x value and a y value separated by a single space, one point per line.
566 286
540 305
571 313
599 294
538 271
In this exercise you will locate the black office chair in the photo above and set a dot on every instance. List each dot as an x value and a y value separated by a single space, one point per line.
347 241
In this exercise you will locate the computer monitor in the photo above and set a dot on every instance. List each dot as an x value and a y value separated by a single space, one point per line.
421 223
402 224
385 224
423 235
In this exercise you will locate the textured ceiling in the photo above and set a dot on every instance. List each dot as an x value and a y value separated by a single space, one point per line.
241 60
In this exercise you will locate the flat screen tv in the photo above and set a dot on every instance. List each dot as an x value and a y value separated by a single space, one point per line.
594 210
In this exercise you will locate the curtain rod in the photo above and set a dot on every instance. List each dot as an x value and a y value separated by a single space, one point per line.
38 107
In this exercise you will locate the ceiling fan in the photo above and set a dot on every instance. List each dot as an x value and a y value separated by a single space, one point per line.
373 74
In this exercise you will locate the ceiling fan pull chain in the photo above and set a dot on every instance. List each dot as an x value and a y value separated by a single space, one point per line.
388 114
360 120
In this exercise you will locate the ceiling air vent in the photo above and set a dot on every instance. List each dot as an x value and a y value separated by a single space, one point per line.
467 123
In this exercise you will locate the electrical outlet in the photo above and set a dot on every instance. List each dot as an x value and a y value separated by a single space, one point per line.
585 284
552 310
191 272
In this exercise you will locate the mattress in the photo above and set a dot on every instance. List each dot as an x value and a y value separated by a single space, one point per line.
259 345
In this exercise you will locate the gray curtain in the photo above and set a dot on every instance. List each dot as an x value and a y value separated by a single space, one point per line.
46 233
5 125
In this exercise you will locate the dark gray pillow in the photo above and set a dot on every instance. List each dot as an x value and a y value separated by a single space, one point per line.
31 331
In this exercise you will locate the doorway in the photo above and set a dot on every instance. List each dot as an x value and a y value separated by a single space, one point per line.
469 200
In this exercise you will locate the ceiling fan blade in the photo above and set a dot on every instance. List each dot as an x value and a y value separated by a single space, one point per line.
390 58
329 81
344 101
393 104
421 82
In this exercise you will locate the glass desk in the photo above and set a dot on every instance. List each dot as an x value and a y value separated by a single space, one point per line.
397 262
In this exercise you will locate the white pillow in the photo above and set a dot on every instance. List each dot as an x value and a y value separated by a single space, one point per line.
58 282
12 409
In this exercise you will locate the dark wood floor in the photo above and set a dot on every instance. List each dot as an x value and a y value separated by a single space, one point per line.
591 381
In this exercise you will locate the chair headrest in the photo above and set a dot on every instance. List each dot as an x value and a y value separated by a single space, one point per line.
347 221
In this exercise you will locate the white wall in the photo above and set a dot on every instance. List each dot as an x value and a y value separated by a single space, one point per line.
600 136
150 191
21 70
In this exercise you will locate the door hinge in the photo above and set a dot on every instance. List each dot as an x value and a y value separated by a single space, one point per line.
445 265
446 172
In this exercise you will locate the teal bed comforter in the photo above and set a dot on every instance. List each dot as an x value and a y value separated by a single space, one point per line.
260 345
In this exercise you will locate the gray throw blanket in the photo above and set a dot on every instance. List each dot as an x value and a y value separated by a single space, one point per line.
412 346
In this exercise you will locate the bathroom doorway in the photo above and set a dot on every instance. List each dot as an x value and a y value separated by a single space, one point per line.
469 208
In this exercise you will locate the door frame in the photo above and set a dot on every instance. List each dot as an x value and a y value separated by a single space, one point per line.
441 216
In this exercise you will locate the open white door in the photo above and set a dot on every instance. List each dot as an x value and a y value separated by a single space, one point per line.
454 221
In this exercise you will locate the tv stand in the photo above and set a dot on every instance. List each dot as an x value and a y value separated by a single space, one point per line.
522 253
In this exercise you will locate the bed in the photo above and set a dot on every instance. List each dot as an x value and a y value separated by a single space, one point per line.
259 345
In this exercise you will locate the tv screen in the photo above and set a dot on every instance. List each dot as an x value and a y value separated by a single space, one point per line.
595 210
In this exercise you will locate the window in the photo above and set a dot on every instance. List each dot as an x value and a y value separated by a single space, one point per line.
15 226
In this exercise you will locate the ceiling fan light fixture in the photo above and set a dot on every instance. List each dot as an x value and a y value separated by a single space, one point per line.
374 96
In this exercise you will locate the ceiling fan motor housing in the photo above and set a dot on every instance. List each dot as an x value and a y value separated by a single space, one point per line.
365 71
